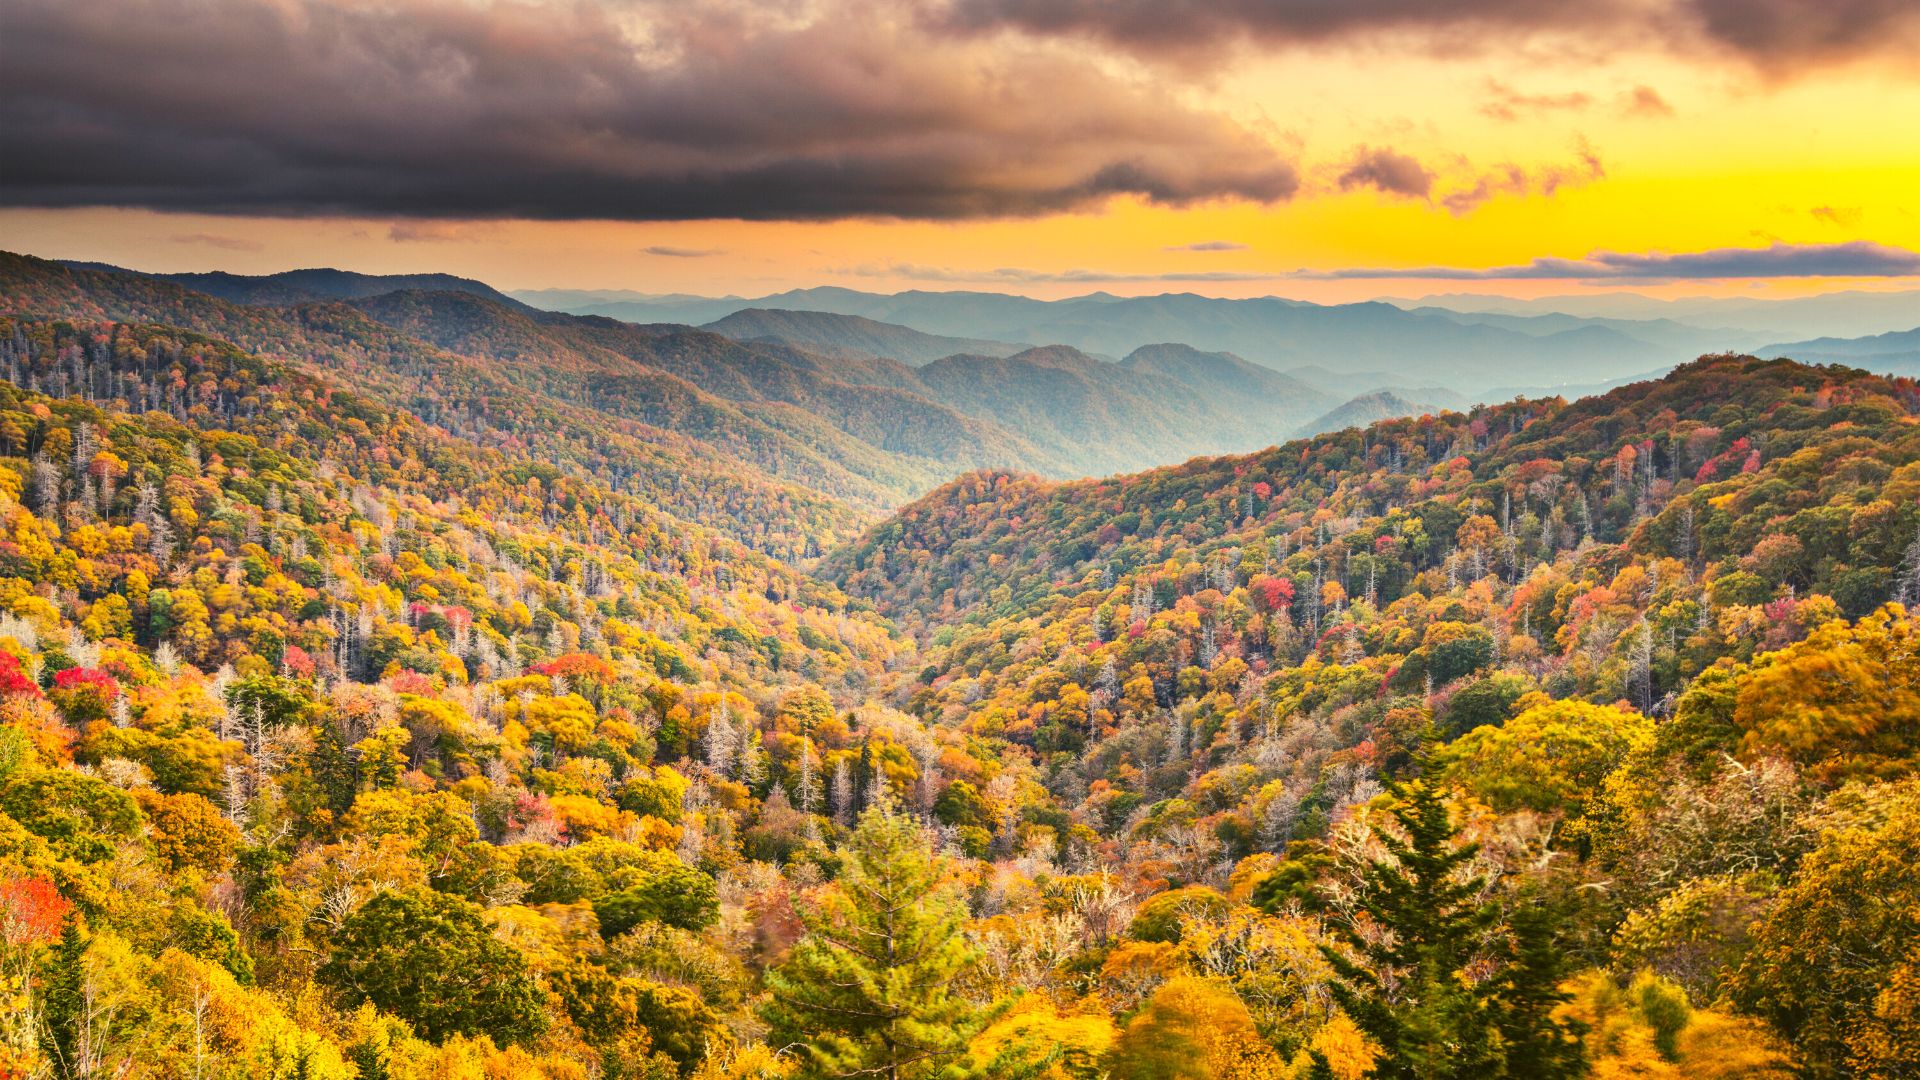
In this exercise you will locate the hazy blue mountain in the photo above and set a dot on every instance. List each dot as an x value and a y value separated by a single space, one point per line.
1404 346
1363 411
1896 353
837 335
1682 338
1850 313
1162 403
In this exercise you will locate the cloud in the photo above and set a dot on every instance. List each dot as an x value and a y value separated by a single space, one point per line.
1765 33
1843 216
1208 245
1508 104
682 253
1515 180
216 240
1644 101
558 109
1459 187
1174 29
1020 276
1389 171
1800 33
1779 260
439 232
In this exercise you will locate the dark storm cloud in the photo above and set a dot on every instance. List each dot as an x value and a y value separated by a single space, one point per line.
1764 32
1800 32
645 110
1857 259
1168 27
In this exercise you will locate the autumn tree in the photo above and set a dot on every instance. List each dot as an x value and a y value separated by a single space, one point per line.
1845 702
1833 964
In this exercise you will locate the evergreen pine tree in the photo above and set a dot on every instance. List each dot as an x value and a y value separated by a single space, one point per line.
869 990
1525 993
63 1006
1404 986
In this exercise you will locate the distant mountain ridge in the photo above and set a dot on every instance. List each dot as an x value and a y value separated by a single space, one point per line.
1409 347
835 334
1847 313
868 430
1897 352
311 286
1365 411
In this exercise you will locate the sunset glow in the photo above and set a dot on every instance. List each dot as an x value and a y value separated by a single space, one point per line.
1243 157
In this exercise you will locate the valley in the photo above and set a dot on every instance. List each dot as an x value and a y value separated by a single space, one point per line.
356 635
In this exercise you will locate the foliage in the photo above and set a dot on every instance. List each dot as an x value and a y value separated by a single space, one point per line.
869 988
425 687
431 960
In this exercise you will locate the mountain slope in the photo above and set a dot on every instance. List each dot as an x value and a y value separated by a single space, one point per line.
307 647
864 430
1159 404
836 335
845 410
717 466
1894 352
309 286
1363 411
1420 348
1702 423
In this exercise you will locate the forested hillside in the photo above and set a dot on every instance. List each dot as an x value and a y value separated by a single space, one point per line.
869 431
1650 646
423 687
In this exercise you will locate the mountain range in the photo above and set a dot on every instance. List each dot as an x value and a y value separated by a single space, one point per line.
1846 313
1390 344
872 396
838 335
836 418
1897 351
409 682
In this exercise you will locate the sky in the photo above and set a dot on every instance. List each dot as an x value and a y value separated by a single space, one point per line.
1326 151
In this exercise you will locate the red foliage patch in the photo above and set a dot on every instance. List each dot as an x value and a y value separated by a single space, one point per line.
31 911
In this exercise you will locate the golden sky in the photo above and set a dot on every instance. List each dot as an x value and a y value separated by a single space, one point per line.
1050 148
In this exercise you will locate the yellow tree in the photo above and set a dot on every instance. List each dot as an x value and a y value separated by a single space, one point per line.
1843 703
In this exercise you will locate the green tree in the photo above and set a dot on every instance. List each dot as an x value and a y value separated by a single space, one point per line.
869 989
63 1003
676 894
431 959
82 816
1423 922
1537 1045
1419 924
